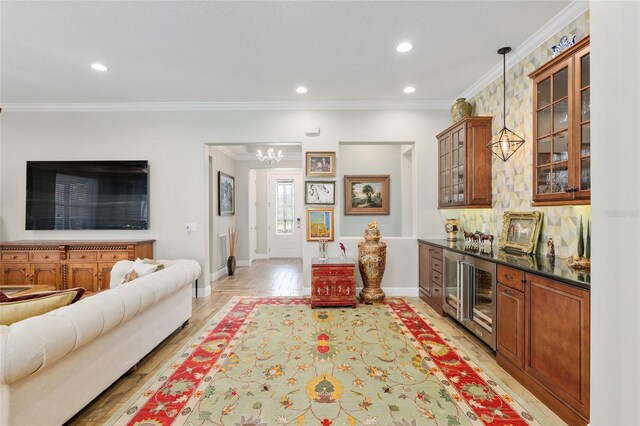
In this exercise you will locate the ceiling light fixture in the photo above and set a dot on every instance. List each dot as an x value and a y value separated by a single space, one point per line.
301 89
505 143
99 67
404 47
271 156
409 89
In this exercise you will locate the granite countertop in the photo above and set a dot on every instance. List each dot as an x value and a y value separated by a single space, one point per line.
537 264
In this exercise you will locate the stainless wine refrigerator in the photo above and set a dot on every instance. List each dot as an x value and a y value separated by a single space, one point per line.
470 294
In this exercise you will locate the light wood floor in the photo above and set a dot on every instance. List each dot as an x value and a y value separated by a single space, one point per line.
275 277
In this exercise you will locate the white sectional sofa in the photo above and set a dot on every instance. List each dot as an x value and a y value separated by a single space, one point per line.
52 365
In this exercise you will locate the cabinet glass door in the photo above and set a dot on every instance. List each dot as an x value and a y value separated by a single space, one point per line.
452 282
457 165
584 108
445 171
482 298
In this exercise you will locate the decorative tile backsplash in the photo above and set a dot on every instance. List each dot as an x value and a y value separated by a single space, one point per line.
513 180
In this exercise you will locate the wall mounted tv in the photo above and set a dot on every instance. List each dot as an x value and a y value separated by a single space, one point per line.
87 195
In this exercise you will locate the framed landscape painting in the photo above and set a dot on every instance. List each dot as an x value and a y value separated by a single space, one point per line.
320 192
226 195
366 195
320 224
321 164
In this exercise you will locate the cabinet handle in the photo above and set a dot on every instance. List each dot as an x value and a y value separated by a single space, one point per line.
45 256
113 256
436 290
82 256
14 257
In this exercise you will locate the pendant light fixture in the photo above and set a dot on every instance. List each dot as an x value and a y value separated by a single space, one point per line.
505 143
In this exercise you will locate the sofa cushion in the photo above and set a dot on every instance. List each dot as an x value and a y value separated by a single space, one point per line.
14 309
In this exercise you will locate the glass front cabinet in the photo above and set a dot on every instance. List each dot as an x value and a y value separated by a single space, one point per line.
562 128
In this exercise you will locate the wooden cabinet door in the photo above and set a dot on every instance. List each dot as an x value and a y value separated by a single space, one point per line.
557 340
510 324
46 274
478 183
83 275
424 269
15 274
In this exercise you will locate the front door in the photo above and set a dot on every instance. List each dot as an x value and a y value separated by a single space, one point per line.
285 214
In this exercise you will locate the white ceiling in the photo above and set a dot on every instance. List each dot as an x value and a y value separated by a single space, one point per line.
230 52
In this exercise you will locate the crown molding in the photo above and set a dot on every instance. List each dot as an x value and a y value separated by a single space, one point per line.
222 106
558 22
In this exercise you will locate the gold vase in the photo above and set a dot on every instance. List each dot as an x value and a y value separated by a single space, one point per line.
460 109
372 259
451 226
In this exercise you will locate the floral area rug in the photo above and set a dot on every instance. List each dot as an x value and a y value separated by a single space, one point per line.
276 361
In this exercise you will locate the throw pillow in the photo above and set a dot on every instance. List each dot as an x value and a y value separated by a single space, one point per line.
132 276
160 266
119 272
143 269
14 309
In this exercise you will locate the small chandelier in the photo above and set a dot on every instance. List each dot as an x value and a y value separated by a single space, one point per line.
505 143
271 156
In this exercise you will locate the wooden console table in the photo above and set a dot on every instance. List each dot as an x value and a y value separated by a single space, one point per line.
333 282
66 264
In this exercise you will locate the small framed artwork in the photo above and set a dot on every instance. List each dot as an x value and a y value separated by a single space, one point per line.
226 195
321 164
320 224
318 192
520 232
366 195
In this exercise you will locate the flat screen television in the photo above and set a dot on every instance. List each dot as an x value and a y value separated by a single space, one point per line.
87 195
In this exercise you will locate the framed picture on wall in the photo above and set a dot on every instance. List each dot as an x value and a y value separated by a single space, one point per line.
320 224
318 192
321 164
226 195
366 195
520 231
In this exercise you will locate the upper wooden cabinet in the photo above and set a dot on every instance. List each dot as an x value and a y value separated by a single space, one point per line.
562 128
464 164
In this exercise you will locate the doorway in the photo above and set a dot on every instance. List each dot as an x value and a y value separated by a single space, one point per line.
284 213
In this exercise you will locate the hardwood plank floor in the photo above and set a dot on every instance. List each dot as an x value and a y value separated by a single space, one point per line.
274 277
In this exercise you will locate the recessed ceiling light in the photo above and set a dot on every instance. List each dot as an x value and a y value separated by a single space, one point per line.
404 47
409 89
301 89
99 67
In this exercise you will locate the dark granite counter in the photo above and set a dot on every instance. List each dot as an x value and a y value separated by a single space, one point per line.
537 264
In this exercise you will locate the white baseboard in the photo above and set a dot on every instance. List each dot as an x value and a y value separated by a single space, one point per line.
388 291
261 256
217 274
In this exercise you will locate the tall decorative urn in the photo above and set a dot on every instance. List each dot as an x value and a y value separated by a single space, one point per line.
372 258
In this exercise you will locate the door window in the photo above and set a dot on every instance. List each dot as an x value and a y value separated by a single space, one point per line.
285 207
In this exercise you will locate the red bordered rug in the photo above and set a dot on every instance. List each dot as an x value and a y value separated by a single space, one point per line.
276 361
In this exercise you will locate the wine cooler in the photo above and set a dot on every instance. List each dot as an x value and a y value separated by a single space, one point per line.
470 294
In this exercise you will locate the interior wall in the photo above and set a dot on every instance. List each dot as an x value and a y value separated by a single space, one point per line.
221 162
372 159
512 181
173 143
261 212
615 317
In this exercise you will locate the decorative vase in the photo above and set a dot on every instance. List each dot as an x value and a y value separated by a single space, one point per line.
451 226
372 259
231 265
460 109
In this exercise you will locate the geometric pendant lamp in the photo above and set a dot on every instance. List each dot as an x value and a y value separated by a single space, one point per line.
505 143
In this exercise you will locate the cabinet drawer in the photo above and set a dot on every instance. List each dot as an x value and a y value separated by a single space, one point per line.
436 294
113 255
436 277
511 277
83 255
15 256
45 256
436 253
436 264
345 271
